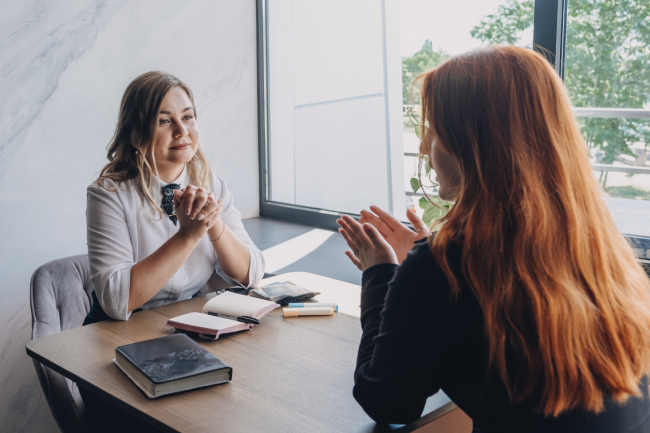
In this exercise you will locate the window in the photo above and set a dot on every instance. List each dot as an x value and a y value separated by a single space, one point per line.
336 111
431 31
608 78
333 126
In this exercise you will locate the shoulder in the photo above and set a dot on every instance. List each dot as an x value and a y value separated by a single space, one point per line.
106 188
110 186
110 191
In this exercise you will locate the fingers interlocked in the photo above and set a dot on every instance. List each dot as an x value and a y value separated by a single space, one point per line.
199 203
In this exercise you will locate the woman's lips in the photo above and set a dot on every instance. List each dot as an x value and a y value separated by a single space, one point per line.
180 146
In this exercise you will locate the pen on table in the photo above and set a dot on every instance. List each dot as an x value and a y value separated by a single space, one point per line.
313 305
320 311
243 319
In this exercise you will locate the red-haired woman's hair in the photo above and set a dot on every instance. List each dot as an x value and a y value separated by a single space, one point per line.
557 282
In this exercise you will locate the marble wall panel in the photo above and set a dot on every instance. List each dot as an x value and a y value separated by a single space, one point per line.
64 65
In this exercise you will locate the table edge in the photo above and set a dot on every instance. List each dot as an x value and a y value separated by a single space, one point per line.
443 410
411 427
98 391
426 419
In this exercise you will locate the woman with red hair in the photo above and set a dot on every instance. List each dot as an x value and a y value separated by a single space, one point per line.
527 307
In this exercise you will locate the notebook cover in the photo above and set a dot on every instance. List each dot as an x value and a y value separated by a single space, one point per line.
170 358
205 324
150 395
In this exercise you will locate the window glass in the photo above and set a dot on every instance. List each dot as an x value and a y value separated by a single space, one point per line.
607 55
608 74
334 89
343 114
431 31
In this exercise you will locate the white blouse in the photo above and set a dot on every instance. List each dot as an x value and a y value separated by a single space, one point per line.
122 232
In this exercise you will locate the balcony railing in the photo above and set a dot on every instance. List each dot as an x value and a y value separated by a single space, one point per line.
634 113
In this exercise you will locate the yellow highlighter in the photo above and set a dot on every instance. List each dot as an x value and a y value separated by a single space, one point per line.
312 311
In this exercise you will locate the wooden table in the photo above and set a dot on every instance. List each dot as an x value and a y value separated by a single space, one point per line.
289 375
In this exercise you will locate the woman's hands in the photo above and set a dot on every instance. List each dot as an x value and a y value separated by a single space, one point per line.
197 211
378 237
398 236
369 248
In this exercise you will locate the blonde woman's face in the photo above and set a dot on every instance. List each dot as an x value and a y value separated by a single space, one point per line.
177 131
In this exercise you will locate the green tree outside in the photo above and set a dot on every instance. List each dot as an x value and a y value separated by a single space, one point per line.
607 66
412 66
607 63
506 26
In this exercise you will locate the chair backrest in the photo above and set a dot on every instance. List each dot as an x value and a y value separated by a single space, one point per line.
60 298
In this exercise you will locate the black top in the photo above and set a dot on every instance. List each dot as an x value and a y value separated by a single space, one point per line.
417 340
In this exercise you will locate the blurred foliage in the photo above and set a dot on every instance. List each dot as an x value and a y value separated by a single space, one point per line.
607 63
424 60
506 26
434 209
431 211
628 192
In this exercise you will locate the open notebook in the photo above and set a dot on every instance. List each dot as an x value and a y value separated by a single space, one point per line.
228 306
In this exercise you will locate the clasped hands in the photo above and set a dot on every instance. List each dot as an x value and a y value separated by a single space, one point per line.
378 237
198 212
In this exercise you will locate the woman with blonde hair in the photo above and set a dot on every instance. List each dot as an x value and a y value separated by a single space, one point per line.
527 307
159 222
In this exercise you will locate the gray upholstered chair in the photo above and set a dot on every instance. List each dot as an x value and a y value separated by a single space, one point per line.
60 299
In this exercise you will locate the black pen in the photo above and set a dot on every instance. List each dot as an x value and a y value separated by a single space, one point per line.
243 319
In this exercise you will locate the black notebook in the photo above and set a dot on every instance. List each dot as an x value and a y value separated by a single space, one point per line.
170 364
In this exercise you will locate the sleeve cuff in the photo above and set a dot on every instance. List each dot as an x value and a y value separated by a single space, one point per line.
114 297
374 284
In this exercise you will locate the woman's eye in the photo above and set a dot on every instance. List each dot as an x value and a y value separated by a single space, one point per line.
189 116
163 121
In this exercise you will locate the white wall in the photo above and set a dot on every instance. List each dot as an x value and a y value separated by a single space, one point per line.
64 66
335 104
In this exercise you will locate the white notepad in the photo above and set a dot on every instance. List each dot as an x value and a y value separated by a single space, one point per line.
236 305
211 327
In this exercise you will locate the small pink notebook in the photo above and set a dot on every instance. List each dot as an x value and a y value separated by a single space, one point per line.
230 304
208 327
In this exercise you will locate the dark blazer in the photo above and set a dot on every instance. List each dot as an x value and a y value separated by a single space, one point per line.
417 340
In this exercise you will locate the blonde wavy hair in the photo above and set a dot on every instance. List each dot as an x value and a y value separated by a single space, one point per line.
557 282
136 134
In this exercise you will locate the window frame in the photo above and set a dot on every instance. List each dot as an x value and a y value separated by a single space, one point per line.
549 31
315 217
549 38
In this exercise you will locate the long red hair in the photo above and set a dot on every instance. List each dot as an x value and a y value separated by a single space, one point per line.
557 282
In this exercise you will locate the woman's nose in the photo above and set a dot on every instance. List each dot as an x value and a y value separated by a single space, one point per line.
180 130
